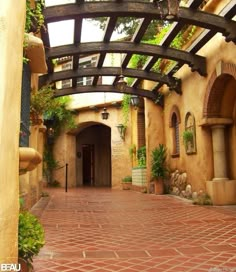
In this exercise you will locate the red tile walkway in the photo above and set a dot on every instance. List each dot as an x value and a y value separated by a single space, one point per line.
104 230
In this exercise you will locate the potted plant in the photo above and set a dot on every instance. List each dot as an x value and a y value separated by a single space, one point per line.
159 170
127 183
30 239
141 156
188 140
139 173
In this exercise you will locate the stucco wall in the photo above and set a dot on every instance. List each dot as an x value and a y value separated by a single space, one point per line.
66 146
11 41
154 130
194 89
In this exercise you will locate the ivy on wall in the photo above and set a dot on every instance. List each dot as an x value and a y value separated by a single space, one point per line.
125 106
34 16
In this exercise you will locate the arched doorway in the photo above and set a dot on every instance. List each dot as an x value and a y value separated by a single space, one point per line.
93 150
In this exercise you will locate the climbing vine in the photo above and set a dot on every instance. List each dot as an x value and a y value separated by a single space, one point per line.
34 20
125 108
34 16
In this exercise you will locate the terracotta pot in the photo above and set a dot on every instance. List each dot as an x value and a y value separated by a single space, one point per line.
126 185
25 267
35 119
159 187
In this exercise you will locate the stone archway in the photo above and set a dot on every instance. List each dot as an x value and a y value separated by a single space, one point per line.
93 156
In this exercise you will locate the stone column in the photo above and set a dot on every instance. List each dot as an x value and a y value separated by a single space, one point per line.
219 156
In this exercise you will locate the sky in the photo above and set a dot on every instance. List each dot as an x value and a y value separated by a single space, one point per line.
61 33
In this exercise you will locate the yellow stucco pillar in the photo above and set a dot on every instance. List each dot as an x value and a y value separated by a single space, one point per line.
219 156
12 20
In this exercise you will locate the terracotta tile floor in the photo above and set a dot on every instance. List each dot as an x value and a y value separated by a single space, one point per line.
104 230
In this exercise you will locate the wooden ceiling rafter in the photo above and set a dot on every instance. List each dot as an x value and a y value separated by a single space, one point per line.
108 71
104 89
190 15
196 62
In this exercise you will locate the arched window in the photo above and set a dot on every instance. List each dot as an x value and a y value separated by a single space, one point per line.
174 124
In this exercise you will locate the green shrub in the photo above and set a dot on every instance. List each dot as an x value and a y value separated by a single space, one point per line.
30 237
158 163
127 179
141 156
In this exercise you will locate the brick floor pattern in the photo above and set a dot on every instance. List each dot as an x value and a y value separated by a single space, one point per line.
104 230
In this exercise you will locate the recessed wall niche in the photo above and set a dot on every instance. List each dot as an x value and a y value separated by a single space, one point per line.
189 134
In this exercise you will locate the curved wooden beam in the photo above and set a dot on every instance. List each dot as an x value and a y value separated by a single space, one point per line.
172 82
140 10
105 88
196 62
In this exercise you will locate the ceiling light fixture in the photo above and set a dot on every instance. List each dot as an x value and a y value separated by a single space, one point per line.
168 8
121 83
104 113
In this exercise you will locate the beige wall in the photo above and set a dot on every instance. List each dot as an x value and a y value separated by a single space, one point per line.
65 147
11 41
194 89
154 130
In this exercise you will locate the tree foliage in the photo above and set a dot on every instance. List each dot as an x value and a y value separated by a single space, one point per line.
128 26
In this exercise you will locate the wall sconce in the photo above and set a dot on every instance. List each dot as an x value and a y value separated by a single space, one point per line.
105 114
122 129
168 8
134 100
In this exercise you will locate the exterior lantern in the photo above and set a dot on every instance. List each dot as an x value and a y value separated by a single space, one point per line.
121 83
168 8
121 129
134 100
105 114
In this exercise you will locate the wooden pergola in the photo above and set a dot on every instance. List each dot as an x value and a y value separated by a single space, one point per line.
192 15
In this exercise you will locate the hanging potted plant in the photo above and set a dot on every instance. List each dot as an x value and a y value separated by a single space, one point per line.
40 102
159 170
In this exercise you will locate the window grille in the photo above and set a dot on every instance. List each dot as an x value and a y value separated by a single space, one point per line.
25 107
86 63
175 125
141 130
67 83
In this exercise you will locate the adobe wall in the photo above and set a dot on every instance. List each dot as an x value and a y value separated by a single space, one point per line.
154 129
199 166
11 42
65 147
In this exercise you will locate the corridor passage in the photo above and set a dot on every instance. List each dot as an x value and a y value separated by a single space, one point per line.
104 230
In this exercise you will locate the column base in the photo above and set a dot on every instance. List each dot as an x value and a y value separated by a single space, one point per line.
219 179
222 192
